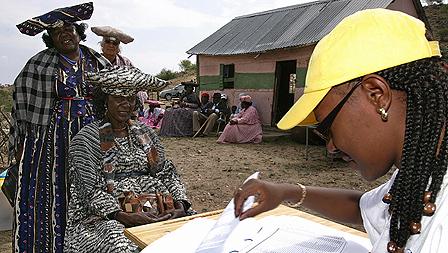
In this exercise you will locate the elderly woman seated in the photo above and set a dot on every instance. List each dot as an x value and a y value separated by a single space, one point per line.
119 176
244 127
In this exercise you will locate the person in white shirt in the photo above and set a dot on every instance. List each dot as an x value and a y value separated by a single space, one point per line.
377 90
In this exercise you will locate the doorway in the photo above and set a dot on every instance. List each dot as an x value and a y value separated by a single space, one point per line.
284 89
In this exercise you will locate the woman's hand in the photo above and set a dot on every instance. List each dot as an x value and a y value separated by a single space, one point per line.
137 219
267 196
152 157
233 122
178 212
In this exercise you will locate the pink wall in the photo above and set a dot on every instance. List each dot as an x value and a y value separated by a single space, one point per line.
254 63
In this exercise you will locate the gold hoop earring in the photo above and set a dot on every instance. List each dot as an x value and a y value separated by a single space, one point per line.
383 113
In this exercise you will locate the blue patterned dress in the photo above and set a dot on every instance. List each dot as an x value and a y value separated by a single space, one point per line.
41 209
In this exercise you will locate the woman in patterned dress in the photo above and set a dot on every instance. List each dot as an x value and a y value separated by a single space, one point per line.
52 102
113 156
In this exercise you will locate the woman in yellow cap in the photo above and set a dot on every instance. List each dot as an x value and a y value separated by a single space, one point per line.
377 90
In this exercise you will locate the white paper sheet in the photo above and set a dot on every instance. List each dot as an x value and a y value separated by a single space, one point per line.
282 234
295 234
188 237
215 239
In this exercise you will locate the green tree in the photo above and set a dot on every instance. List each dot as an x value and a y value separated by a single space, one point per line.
187 67
167 74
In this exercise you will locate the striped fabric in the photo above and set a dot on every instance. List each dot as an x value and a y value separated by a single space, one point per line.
88 228
42 195
34 94
125 80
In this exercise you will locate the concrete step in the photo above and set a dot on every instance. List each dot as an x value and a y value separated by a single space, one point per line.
271 134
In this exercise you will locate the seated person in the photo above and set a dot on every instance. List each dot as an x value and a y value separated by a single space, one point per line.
211 115
226 112
115 158
153 116
205 103
238 107
245 127
178 120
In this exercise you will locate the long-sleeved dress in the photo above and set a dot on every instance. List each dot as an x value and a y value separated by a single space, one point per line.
248 129
88 226
52 102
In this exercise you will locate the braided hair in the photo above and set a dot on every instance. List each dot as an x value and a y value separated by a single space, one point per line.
424 162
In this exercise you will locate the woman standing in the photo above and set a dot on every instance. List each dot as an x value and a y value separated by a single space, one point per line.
110 44
52 102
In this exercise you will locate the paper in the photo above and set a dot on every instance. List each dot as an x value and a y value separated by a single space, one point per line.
214 241
182 237
295 234
282 234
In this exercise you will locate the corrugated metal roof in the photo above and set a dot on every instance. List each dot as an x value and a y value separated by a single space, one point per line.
291 26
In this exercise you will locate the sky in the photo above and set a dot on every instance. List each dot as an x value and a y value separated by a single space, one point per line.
163 29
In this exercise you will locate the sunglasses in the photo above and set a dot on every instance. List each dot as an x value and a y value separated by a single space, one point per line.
323 128
114 42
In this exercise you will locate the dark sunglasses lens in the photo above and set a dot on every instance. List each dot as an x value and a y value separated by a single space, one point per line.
115 42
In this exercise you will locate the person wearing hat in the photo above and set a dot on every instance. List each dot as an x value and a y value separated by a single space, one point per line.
178 120
110 44
209 115
115 157
245 127
376 89
189 98
205 102
51 103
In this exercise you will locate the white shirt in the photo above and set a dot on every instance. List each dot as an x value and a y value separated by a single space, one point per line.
434 232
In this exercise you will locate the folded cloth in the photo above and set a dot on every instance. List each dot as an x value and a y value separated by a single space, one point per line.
108 31
56 18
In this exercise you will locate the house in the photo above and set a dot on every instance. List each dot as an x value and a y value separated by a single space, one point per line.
266 54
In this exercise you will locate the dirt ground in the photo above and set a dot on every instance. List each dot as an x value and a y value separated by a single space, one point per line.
212 171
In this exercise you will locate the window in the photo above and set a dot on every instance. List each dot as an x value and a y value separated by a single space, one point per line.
228 76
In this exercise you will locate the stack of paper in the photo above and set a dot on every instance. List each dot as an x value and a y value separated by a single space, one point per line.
270 234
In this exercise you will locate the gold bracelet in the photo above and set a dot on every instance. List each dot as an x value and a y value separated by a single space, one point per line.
303 190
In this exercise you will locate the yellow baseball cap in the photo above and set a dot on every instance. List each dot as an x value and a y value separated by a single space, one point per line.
363 43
